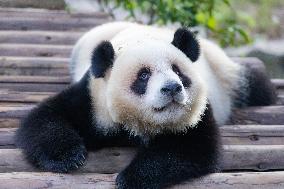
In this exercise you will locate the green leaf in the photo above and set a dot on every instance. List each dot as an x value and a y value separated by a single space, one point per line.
211 23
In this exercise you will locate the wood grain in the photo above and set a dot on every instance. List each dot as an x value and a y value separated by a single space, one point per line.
34 66
24 97
264 115
50 24
23 180
35 79
112 160
40 37
33 87
252 134
32 50
44 13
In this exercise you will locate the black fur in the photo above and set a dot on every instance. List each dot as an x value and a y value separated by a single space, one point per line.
186 82
56 135
102 58
261 90
139 86
186 41
258 91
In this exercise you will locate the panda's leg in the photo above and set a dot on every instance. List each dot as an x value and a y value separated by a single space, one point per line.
49 142
257 89
170 159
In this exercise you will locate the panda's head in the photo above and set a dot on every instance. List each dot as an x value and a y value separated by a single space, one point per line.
151 85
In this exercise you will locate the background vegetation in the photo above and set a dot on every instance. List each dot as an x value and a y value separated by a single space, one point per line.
221 19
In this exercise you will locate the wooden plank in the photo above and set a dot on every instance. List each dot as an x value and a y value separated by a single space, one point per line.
279 83
252 180
51 4
252 134
248 130
50 24
32 61
44 66
7 138
112 160
9 122
33 87
39 37
14 112
264 115
35 79
280 99
250 61
109 160
24 97
230 135
44 13
35 50
22 180
253 157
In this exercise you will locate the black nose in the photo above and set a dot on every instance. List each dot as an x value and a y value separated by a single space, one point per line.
172 89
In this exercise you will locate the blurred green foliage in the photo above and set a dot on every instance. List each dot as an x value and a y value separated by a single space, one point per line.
261 17
217 16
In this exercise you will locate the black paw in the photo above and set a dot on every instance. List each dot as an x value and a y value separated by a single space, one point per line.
66 162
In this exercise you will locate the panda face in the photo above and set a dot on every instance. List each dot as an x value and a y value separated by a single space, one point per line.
153 86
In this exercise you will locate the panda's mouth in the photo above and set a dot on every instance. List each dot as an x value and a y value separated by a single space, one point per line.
160 109
163 108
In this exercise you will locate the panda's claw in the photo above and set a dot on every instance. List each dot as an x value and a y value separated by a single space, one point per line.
82 156
69 161
81 163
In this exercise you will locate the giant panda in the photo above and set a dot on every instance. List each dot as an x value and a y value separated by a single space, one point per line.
164 91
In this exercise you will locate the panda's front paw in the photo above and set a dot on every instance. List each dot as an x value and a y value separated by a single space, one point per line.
65 162
130 180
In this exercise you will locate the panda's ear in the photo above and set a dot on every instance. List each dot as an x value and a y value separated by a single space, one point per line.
102 59
186 41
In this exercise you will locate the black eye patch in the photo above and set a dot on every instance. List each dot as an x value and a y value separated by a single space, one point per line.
139 86
186 82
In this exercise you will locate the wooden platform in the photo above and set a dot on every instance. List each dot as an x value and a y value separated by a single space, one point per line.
34 49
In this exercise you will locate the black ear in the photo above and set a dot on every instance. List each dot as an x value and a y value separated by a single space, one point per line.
186 41
102 59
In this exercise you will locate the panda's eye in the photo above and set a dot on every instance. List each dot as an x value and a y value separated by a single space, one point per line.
176 69
144 74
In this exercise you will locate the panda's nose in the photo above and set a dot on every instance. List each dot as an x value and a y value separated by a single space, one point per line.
171 89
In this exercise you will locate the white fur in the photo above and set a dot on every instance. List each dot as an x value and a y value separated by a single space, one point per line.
82 51
136 45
